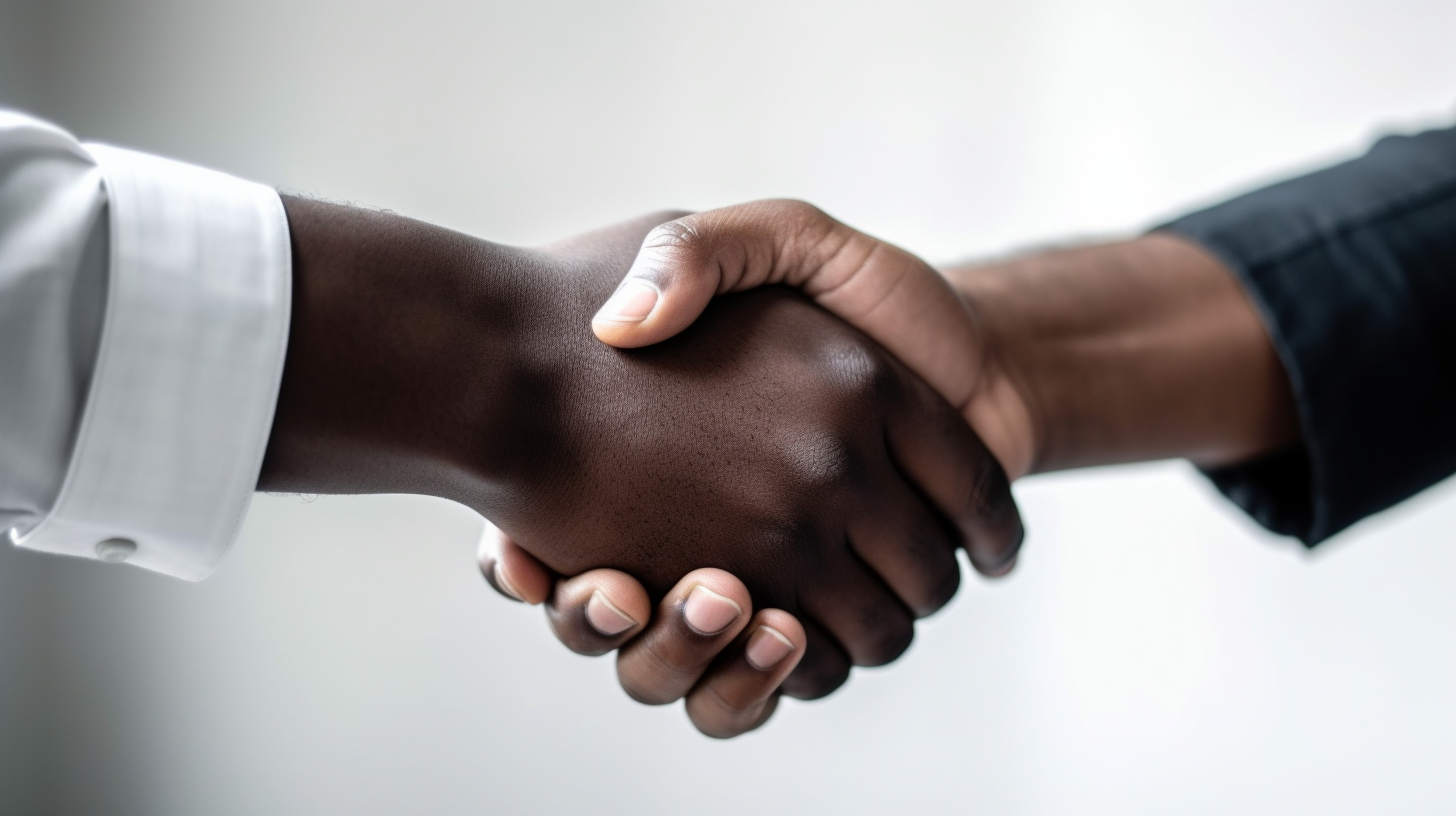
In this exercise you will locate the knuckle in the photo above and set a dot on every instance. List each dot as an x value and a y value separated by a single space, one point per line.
886 637
859 373
652 675
674 236
917 557
819 462
815 678
940 588
671 660
801 211
816 233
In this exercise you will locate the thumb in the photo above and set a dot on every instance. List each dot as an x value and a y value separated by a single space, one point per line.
882 290
685 262
670 283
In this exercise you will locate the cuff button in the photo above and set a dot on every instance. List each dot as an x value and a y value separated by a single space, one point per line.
116 550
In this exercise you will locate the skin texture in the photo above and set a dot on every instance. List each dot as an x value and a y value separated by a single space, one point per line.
769 440
1131 351
1128 351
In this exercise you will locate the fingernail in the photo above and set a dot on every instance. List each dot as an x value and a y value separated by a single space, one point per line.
605 617
767 647
709 613
504 585
631 303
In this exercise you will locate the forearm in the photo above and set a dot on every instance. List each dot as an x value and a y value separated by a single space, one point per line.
399 355
1137 350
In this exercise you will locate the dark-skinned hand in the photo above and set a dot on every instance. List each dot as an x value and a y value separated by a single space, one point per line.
769 440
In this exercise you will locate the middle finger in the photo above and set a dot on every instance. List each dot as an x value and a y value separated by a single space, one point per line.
695 621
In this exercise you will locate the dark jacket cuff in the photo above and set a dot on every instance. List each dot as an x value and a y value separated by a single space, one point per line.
1353 270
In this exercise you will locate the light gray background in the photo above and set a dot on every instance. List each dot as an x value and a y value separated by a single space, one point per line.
1154 653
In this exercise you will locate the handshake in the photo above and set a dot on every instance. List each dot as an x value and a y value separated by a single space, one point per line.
741 447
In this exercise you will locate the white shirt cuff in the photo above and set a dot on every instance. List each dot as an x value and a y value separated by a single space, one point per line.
181 402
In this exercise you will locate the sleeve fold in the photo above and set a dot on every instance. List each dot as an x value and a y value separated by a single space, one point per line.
165 455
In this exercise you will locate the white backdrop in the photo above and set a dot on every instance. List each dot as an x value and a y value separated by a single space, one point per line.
1154 653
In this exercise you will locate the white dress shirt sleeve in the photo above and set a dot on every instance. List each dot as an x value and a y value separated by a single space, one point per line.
144 308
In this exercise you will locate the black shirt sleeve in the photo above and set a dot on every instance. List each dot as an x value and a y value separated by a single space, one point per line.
1354 271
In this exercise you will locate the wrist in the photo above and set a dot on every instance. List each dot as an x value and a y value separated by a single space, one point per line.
398 355
1130 351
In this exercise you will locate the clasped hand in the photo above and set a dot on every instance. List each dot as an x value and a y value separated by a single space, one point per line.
631 416
753 453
